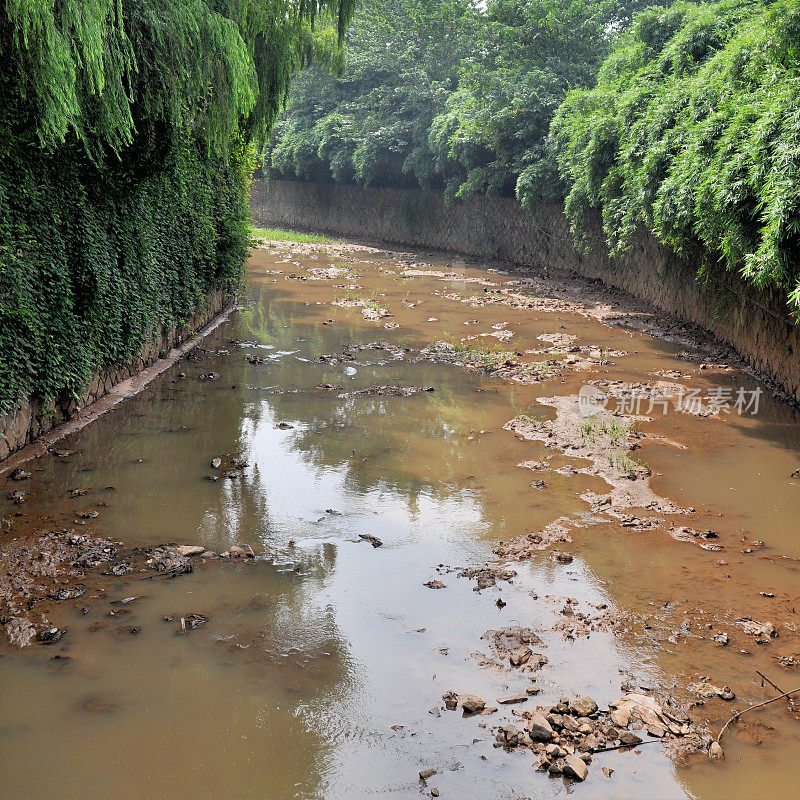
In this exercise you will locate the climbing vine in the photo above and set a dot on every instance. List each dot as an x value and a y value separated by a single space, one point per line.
127 133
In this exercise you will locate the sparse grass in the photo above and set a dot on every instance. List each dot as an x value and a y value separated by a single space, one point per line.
593 427
279 235
624 462
487 356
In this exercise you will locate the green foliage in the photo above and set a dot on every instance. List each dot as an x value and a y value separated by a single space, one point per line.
442 94
371 124
693 131
126 141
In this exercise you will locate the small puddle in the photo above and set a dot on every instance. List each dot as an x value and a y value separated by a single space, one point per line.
320 668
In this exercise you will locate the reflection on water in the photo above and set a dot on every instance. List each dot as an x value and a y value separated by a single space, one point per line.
321 668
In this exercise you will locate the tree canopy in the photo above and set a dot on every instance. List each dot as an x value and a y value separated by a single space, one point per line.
682 117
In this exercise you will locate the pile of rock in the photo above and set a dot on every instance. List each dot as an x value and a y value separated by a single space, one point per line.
566 735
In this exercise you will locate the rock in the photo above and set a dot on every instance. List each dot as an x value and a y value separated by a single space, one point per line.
630 739
759 629
373 540
20 631
519 656
216 463
554 751
190 549
168 559
512 698
120 568
707 690
18 497
575 768
434 792
584 706
607 771
241 551
19 475
720 639
715 751
539 729
50 635
621 717
450 700
426 773
284 426
570 723
471 703
563 558
434 585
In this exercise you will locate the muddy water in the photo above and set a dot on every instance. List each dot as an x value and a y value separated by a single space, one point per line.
320 671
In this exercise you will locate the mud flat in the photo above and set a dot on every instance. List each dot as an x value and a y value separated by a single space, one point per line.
411 526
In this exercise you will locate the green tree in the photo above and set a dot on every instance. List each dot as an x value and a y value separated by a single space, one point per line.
693 131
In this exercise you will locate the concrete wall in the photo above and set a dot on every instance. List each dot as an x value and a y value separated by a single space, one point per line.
754 322
32 418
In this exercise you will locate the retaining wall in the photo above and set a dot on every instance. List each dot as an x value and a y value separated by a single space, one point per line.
756 323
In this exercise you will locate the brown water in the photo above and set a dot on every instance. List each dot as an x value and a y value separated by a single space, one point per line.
314 651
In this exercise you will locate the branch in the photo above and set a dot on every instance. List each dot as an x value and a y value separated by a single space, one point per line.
757 705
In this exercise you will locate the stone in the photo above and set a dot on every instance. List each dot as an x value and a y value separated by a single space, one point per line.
190 549
471 703
630 739
575 768
373 540
607 771
539 729
216 463
621 717
554 751
570 724
241 551
519 656
512 698
434 585
51 635
584 706
426 773
715 751
450 700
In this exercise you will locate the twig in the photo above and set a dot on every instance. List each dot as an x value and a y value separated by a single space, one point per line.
765 678
757 705
625 746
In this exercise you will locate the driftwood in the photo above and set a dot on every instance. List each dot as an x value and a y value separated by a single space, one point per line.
752 708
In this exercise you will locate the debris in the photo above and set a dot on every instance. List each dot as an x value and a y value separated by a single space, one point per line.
434 585
373 540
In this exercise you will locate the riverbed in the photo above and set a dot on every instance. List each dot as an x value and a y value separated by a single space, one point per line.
383 421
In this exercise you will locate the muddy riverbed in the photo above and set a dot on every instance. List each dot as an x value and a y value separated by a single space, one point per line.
480 505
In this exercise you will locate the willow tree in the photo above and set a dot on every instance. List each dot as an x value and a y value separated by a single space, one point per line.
127 129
